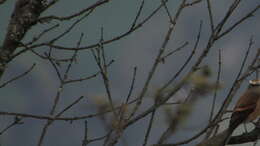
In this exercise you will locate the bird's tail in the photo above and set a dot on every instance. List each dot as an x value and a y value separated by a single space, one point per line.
227 136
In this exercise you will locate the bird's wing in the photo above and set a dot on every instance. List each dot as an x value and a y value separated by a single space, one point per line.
255 114
247 101
243 108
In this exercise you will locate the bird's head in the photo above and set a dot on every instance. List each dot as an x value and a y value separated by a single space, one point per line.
254 83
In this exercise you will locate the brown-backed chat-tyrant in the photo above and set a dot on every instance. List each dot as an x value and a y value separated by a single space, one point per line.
246 109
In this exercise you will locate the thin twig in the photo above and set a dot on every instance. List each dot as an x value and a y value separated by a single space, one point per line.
17 121
132 86
18 77
235 85
173 51
215 93
81 12
228 30
158 57
85 140
147 134
73 118
138 14
116 38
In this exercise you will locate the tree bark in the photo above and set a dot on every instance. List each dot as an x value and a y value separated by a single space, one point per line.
24 16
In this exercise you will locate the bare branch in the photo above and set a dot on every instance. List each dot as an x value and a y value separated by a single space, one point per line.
18 77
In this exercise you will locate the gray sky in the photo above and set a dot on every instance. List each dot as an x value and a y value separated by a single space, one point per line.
34 93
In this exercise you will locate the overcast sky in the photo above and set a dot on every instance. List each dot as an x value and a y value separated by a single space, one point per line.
34 93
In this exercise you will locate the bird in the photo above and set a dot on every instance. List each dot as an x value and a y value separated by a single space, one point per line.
246 109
